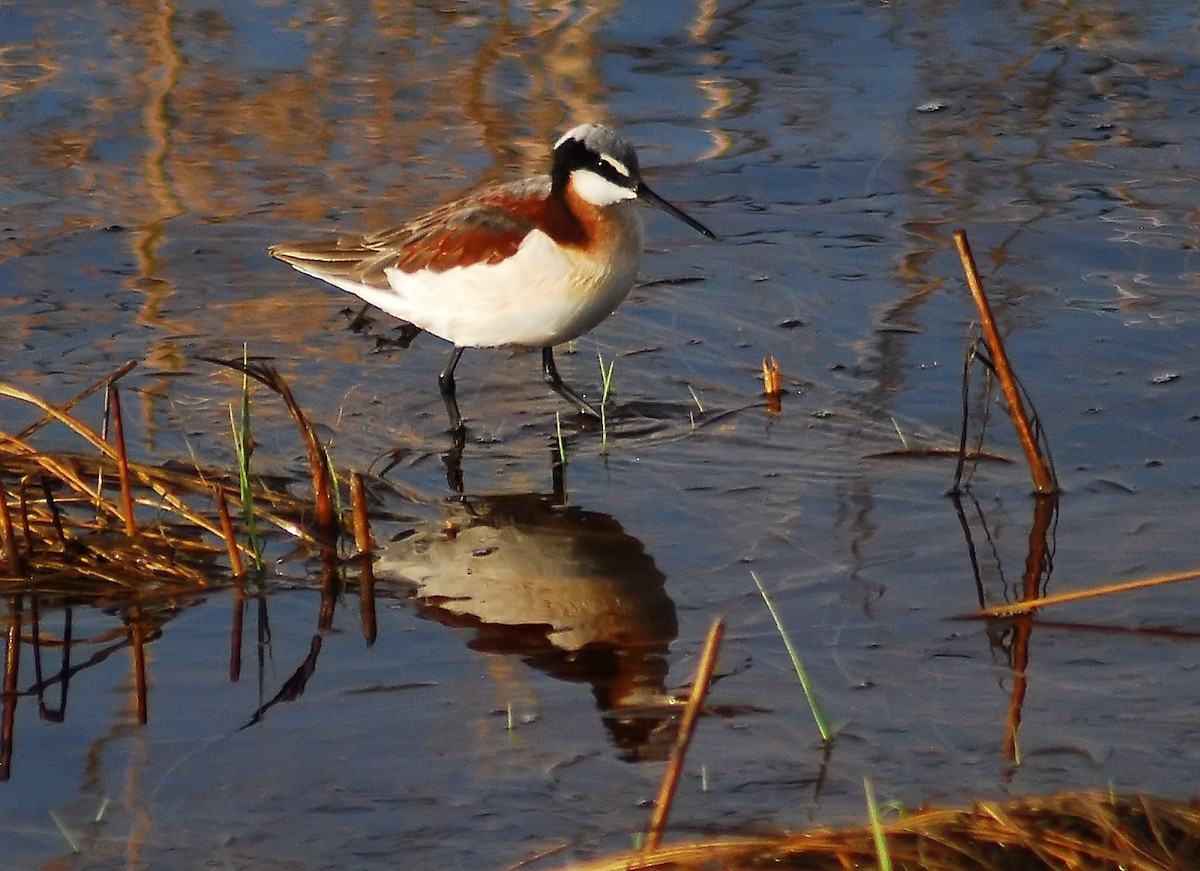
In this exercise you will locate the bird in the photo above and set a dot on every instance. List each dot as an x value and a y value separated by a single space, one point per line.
531 263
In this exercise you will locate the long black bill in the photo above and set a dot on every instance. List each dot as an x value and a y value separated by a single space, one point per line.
650 196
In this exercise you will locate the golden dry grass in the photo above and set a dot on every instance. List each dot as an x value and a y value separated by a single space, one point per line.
1088 831
91 524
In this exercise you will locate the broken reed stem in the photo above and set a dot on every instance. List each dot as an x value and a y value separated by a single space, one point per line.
235 555
1043 478
772 386
362 540
687 726
318 463
358 514
1013 609
114 402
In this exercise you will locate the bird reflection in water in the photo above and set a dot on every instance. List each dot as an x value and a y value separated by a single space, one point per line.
566 589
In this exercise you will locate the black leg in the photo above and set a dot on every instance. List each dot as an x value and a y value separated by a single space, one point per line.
446 386
446 376
550 373
453 462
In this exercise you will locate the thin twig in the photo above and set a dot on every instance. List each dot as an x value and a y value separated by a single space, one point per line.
106 381
1043 477
687 725
114 398
1012 609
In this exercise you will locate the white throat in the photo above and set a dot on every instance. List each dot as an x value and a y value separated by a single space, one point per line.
598 190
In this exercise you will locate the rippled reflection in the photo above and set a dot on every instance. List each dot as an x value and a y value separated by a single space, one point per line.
566 589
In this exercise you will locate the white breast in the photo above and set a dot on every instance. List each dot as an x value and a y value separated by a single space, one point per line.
543 295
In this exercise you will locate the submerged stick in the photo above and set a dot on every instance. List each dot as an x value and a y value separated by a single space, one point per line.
12 668
137 641
687 726
1043 478
10 539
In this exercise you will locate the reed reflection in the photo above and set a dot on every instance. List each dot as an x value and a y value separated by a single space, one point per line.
30 621
566 589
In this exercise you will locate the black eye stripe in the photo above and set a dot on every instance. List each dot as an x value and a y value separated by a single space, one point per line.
574 154
609 171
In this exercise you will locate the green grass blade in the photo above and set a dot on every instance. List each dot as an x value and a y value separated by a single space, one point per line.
562 448
881 846
606 374
243 447
809 694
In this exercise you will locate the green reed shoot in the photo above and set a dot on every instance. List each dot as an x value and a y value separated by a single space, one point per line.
243 444
881 846
606 374
338 505
562 447
809 693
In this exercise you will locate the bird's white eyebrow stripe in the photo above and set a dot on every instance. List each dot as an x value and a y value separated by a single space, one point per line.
615 164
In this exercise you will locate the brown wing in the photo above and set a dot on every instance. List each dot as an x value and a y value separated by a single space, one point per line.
483 229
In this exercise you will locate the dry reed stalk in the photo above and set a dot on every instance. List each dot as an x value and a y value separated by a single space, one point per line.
1013 609
231 545
358 511
114 404
362 540
327 526
106 381
64 467
1043 477
687 726
1089 830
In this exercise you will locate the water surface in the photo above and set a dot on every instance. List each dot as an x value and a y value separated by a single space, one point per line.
157 150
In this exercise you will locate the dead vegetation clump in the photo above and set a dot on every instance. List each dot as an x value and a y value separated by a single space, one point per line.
1089 831
92 525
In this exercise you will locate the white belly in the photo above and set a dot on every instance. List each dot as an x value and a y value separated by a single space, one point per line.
541 296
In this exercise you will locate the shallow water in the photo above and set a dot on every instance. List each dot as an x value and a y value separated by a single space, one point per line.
158 150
